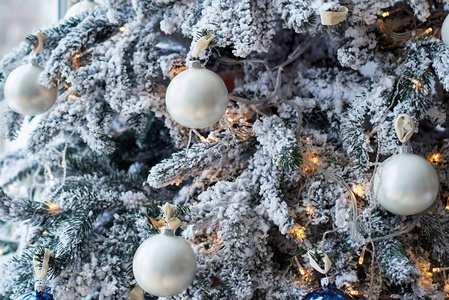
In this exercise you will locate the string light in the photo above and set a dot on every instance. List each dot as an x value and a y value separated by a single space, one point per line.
360 190
314 161
416 83
439 269
73 97
354 292
53 207
309 209
387 13
362 255
300 268
51 176
299 232
123 28
1 252
435 158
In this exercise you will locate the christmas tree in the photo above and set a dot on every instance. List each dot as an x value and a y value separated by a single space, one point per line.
302 167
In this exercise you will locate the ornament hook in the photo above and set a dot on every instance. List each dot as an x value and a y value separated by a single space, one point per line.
333 17
41 269
404 127
167 220
315 257
39 45
202 44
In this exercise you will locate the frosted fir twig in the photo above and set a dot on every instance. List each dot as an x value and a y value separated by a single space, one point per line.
300 49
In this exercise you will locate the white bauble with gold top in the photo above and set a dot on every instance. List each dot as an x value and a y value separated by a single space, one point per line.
164 265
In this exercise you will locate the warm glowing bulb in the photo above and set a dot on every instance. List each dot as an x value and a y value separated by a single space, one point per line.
299 232
221 240
51 177
53 207
428 30
301 270
436 270
309 209
385 14
435 158
73 97
362 255
1 252
418 85
354 293
196 231
123 28
358 190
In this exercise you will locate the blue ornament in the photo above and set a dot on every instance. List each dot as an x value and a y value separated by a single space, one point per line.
329 292
36 296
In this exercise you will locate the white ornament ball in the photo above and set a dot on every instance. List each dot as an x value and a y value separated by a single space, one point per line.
164 265
79 8
196 98
445 31
406 184
25 95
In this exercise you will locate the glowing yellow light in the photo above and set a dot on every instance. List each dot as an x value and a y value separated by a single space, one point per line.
354 293
428 30
416 83
435 158
44 233
78 55
302 272
309 209
362 256
314 161
51 177
308 140
446 287
299 232
53 207
360 190
221 240
177 183
436 270
386 14
1 252
73 97
196 231
123 28
230 120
